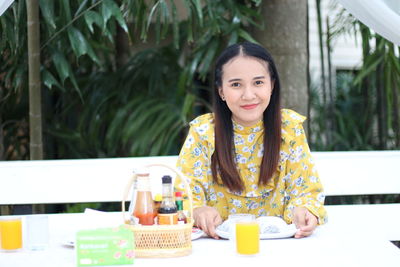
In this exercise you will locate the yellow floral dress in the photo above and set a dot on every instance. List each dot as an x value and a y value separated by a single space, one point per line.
295 183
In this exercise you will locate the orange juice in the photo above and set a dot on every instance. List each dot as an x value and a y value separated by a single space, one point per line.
247 238
11 233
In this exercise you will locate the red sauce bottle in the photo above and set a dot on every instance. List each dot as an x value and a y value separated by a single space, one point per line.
144 207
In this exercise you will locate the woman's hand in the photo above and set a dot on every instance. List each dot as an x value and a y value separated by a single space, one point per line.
207 218
305 222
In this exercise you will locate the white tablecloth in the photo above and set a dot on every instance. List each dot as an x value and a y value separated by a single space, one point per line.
331 245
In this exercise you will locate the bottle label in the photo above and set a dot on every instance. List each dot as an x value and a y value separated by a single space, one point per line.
170 218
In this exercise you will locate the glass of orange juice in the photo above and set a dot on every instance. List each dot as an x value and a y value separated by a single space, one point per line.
10 233
247 235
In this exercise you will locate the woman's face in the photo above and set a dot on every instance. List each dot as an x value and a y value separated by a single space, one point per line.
246 88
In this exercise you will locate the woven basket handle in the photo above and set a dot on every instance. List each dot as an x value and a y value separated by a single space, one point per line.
177 172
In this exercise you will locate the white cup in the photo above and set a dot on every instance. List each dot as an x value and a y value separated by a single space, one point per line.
37 232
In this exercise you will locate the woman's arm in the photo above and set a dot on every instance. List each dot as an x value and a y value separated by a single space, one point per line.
304 191
194 161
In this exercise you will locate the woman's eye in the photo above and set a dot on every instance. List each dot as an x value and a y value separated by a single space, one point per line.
258 82
235 84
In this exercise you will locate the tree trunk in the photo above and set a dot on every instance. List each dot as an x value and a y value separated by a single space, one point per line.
285 36
35 98
2 149
121 47
321 52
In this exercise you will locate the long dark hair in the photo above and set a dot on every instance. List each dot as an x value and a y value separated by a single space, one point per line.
222 161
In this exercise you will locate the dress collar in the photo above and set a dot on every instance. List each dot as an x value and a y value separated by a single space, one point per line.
239 129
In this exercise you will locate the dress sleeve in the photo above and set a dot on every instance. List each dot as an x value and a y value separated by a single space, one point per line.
303 186
194 163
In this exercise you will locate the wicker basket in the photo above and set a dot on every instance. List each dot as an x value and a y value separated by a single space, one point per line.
161 241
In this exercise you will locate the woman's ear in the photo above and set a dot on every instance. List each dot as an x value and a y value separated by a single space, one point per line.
221 93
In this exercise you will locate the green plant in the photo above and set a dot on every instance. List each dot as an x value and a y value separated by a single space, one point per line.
99 93
364 111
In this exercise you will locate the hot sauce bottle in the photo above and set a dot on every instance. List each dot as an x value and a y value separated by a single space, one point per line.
144 207
179 204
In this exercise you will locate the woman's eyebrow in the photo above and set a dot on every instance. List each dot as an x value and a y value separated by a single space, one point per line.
259 77
234 80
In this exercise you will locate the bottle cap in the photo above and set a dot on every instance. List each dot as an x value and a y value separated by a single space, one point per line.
158 197
178 194
166 179
142 171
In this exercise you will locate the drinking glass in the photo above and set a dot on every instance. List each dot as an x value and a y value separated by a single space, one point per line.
37 227
247 232
10 233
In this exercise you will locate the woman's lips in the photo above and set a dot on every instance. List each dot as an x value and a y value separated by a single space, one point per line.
250 106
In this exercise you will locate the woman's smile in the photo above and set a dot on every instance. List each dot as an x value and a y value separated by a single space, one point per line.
249 106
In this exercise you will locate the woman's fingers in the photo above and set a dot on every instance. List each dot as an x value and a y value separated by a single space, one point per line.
207 218
305 222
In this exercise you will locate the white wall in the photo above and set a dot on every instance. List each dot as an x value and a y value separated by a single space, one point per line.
346 52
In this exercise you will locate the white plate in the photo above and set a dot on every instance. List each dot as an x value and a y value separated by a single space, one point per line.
270 228
69 243
197 233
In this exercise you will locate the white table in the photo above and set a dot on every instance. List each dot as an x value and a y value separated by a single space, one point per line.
331 245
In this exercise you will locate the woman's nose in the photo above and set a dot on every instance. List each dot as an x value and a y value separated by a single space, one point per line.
248 93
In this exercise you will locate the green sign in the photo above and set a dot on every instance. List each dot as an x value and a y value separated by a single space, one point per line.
105 246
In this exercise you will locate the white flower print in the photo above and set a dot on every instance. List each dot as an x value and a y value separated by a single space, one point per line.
305 167
189 141
299 201
233 211
251 194
254 186
260 151
252 205
299 181
197 151
261 212
238 139
321 197
295 116
220 195
197 164
245 149
313 179
241 159
197 172
213 197
256 129
237 203
298 131
202 129
197 189
251 137
287 177
296 155
238 126
284 156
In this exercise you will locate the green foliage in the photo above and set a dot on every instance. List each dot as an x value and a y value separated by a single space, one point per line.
103 100
364 113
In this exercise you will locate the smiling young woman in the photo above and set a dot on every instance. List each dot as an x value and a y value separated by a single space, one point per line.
249 155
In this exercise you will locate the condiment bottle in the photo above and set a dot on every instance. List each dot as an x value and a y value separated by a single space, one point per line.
179 204
144 207
167 214
157 203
